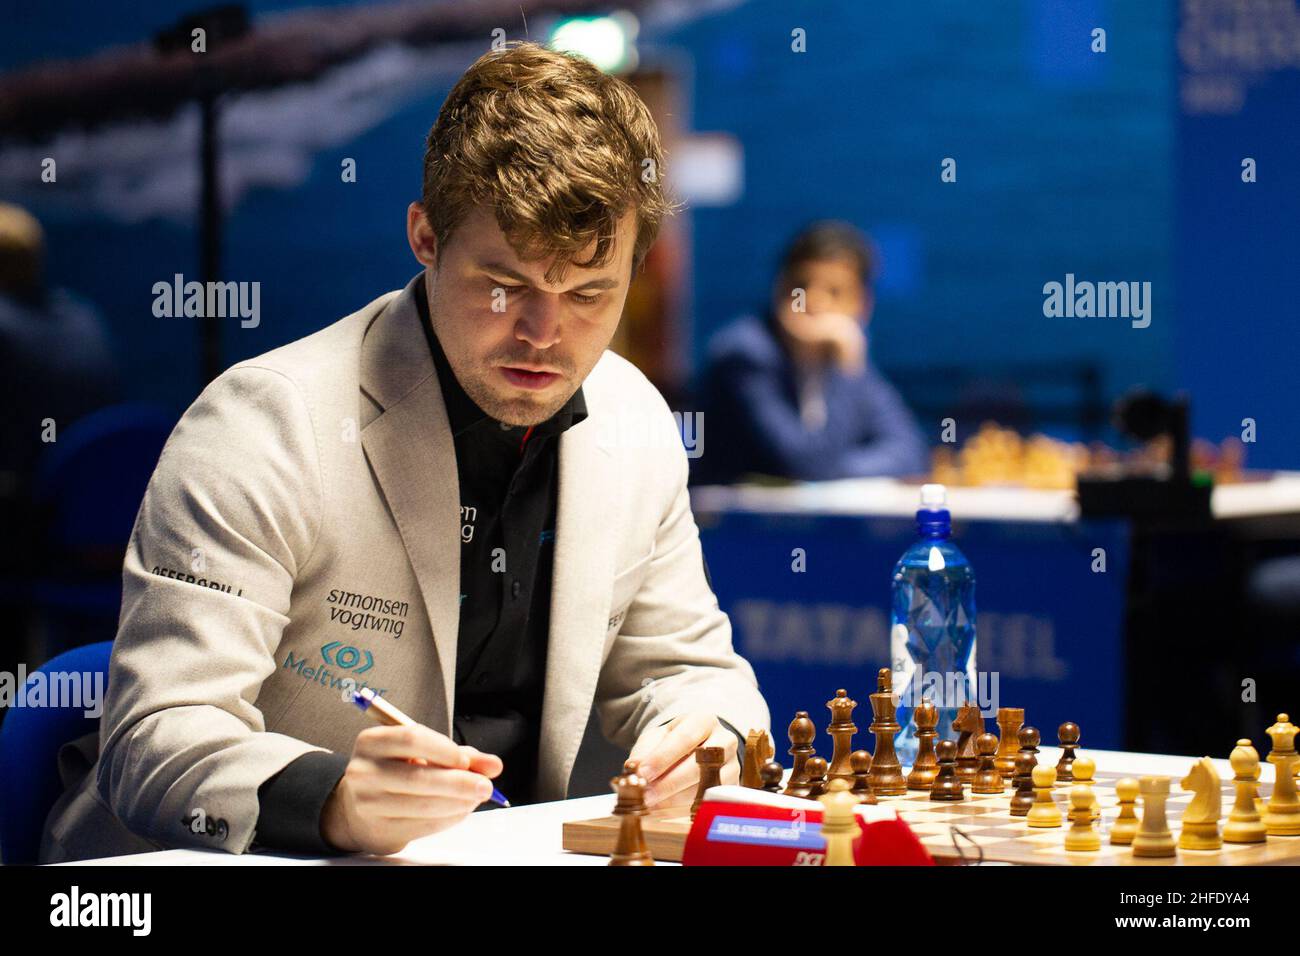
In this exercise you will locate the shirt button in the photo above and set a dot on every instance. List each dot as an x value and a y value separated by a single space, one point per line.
482 678
515 588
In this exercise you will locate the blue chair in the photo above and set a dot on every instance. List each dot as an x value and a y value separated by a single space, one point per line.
30 738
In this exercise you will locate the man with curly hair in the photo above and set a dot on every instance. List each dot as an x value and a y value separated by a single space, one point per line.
435 498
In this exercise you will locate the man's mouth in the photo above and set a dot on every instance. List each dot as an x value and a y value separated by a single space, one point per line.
527 377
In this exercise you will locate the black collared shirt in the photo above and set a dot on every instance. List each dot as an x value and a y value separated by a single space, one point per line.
508 481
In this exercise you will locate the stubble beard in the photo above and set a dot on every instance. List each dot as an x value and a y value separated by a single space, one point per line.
514 410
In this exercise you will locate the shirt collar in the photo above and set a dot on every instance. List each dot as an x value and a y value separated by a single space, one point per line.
464 413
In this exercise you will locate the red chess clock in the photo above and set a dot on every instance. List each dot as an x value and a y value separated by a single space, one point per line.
737 826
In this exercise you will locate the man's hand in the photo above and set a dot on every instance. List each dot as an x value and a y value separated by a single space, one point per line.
403 783
667 757
828 337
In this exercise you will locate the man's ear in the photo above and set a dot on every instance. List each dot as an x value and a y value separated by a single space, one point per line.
420 235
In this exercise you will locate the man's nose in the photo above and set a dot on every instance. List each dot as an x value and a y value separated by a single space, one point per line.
539 322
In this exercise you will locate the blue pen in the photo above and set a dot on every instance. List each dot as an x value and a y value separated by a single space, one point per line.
386 713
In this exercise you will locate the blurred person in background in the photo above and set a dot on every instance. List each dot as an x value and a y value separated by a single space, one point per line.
55 360
795 395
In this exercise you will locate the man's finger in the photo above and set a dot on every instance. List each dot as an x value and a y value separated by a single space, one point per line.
683 778
489 765
680 740
416 742
647 742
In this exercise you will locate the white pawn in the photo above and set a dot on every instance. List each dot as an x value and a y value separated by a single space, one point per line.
1084 768
1044 812
1082 834
1244 822
1126 825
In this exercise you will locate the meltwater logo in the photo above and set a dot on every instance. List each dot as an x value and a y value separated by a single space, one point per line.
1102 300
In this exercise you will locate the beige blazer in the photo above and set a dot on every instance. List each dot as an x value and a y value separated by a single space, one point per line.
302 531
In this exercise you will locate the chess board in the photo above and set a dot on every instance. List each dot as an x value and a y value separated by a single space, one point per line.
988 832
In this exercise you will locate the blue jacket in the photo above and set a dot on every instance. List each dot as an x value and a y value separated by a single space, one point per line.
752 422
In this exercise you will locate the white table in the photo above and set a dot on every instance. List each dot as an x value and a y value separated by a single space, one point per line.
530 836
889 497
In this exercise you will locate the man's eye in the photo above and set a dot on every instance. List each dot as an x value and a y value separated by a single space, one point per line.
585 299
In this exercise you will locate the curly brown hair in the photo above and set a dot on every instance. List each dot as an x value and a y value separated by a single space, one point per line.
559 150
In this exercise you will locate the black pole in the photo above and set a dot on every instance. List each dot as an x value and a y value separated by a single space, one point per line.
209 235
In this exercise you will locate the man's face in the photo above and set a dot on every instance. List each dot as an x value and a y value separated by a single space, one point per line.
519 345
830 286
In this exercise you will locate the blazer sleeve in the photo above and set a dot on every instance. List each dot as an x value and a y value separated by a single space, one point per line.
228 520
673 653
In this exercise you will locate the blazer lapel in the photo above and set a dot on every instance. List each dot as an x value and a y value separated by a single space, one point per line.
583 569
410 448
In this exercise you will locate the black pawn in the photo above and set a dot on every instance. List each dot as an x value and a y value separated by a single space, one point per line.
815 769
1024 783
1068 736
860 762
946 784
770 774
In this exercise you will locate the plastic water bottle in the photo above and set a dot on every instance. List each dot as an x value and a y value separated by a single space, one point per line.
932 623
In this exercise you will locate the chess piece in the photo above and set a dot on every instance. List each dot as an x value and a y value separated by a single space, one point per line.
841 730
1083 769
1082 835
1044 812
770 774
1153 838
886 772
1023 798
1029 740
1277 754
860 762
970 724
1201 818
1067 735
1009 720
947 786
631 849
758 751
987 779
815 770
1126 824
802 733
839 823
1282 815
710 760
926 766
1245 825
